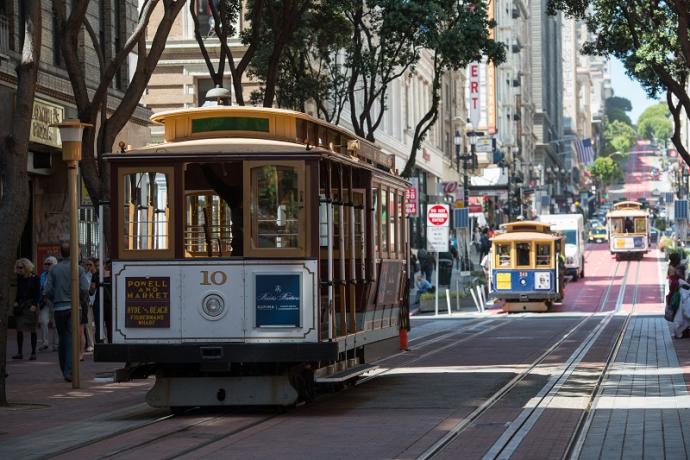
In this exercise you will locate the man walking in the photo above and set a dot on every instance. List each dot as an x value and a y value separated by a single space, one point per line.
58 289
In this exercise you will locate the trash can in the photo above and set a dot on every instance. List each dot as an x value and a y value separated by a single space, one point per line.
445 270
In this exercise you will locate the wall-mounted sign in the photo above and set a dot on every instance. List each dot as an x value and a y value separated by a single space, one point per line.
411 202
43 115
474 100
278 300
147 302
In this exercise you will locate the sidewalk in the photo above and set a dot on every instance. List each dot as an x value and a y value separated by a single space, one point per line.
41 401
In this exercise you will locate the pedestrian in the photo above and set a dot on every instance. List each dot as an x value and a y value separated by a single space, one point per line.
47 337
427 262
58 289
26 306
422 285
484 244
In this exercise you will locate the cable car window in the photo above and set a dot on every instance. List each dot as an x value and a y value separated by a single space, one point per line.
617 225
543 254
522 251
377 220
275 207
146 211
640 225
213 207
392 227
384 220
208 226
628 225
503 255
323 221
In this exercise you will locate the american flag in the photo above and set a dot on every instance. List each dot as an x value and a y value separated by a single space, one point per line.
585 151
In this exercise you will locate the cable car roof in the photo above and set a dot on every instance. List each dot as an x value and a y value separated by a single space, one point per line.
526 236
526 226
627 205
627 213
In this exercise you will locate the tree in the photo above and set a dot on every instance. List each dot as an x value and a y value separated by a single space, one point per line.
455 34
92 105
14 181
386 39
651 39
654 123
605 170
616 108
310 68
618 137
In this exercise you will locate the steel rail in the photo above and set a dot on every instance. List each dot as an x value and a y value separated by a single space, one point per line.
458 428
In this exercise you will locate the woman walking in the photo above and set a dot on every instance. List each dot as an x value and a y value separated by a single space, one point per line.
26 306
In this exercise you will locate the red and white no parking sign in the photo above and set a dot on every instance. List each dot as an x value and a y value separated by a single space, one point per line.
437 215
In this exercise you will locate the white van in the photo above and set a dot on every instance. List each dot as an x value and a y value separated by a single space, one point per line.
572 226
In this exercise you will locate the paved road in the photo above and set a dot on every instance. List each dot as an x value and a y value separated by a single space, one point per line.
597 377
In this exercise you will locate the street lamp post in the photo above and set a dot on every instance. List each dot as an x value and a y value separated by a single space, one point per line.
71 134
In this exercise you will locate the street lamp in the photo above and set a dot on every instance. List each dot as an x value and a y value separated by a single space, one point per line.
458 142
71 134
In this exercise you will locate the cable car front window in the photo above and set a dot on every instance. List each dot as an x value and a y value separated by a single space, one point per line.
208 226
617 225
146 211
640 225
276 207
543 254
503 255
522 251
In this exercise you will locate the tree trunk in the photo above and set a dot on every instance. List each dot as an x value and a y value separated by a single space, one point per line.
14 200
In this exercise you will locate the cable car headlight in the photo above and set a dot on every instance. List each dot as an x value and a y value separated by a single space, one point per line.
213 306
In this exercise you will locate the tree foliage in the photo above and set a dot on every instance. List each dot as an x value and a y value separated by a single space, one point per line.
455 34
605 170
310 66
654 123
14 180
616 108
652 41
619 137
93 106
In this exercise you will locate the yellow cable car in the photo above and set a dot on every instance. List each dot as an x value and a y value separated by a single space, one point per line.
628 226
526 266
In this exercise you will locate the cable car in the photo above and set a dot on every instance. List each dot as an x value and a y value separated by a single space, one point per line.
628 227
257 252
526 266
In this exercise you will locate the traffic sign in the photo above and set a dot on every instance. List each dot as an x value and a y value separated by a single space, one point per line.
437 215
437 239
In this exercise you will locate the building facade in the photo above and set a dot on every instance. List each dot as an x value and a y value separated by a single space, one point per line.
48 222
181 79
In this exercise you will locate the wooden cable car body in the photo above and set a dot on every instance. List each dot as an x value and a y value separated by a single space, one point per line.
628 228
256 252
526 266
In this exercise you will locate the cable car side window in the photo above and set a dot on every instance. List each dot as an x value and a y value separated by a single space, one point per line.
522 252
276 207
503 255
543 254
145 212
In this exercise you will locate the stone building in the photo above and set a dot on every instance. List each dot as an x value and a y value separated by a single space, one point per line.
182 79
48 220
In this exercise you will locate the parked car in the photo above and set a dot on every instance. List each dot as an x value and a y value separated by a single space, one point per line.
598 234
656 192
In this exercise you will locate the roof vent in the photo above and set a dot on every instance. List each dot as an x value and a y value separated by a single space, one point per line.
217 96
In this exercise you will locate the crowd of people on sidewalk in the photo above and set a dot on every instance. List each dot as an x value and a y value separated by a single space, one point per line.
677 310
43 303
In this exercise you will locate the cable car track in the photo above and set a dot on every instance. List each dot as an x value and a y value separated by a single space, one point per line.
558 379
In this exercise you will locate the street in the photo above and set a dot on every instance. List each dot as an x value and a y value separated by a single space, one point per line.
598 376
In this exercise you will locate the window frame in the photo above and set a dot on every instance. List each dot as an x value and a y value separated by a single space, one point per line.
250 224
536 256
497 255
123 251
530 264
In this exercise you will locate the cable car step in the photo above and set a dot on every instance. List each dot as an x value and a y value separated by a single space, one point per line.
345 374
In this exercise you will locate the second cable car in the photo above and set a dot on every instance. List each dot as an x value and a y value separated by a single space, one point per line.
526 268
